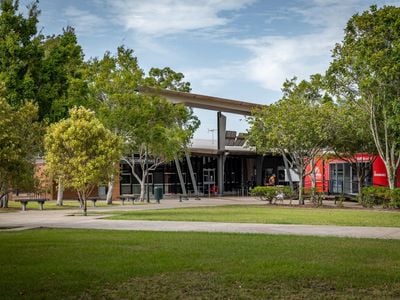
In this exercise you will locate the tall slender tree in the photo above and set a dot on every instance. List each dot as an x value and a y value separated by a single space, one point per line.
295 127
366 70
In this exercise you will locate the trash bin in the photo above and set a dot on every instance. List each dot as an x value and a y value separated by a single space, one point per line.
158 193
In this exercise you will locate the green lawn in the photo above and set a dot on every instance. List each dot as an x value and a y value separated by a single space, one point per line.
89 264
270 215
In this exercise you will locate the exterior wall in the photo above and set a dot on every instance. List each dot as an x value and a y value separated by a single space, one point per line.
321 175
379 174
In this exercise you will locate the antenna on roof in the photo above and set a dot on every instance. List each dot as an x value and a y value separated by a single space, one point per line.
212 133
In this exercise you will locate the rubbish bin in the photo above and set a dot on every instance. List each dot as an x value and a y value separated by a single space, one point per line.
158 193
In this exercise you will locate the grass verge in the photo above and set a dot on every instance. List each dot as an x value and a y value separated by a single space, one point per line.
89 264
267 214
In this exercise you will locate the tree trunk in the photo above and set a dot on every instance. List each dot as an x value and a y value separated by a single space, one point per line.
84 205
60 192
5 203
301 182
142 190
110 190
391 176
313 180
289 175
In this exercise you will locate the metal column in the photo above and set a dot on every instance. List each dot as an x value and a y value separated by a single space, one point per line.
178 168
221 123
194 183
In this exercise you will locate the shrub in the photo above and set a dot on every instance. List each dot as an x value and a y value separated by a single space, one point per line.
395 198
271 193
266 193
375 195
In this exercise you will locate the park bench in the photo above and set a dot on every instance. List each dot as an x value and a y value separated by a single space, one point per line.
25 201
92 199
128 197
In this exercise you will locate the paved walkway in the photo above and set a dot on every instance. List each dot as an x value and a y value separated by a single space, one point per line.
66 219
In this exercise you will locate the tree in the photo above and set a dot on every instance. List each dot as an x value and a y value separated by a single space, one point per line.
350 136
20 54
295 126
153 129
366 70
112 82
81 150
167 79
62 83
20 141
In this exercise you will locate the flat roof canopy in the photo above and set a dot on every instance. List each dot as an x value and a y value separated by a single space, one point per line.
204 102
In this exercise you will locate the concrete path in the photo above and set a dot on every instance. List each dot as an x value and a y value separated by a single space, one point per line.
65 219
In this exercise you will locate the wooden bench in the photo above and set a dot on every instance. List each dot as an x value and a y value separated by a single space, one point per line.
93 199
24 202
124 198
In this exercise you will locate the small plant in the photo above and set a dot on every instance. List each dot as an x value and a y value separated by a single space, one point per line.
339 201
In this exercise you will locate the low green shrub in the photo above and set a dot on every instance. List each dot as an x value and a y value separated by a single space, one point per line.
272 193
395 198
375 195
266 193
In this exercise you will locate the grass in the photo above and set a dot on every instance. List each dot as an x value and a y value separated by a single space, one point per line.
89 264
269 215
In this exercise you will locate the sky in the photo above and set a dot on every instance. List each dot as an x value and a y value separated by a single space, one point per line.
235 49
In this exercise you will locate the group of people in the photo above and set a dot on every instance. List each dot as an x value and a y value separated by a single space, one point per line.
270 181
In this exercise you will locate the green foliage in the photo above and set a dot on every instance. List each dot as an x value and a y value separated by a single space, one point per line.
153 128
81 150
296 126
62 76
266 193
167 79
20 144
20 53
45 70
270 193
366 70
380 195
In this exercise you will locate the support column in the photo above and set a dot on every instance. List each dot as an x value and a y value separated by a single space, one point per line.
194 183
221 171
221 123
178 168
259 164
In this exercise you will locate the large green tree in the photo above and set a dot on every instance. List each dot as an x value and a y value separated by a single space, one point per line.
366 70
154 130
82 151
62 82
19 144
20 53
296 126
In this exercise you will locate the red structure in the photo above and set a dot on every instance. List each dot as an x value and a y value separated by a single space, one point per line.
337 176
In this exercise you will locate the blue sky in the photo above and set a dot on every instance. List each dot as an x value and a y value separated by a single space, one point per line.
237 49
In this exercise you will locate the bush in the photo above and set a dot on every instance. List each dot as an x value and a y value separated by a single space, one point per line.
271 193
375 195
395 198
266 193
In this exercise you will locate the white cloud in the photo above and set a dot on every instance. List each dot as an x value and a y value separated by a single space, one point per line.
277 58
210 80
83 21
159 18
